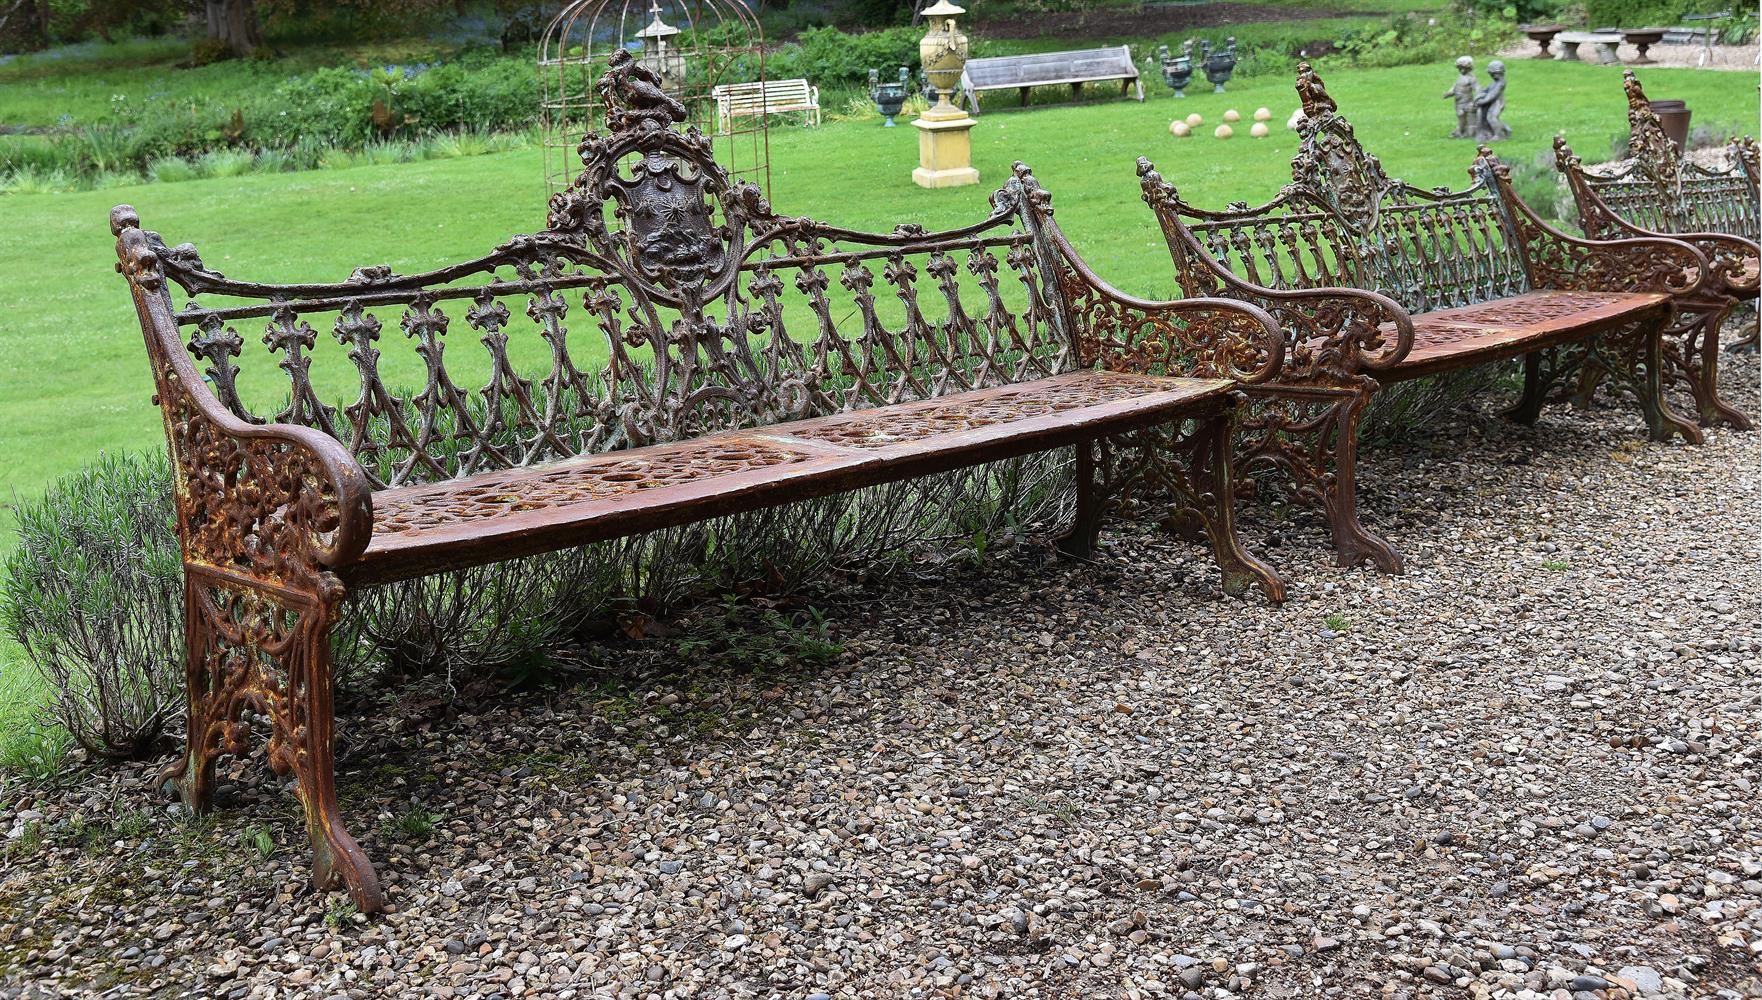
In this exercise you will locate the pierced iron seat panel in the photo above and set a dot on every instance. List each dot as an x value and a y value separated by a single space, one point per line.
499 515
1469 335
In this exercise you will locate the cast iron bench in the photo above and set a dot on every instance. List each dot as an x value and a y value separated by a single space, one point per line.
1376 281
765 97
749 360
1657 190
1050 69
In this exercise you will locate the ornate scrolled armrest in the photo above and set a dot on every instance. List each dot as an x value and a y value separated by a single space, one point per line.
1569 263
1732 262
278 502
1335 334
1636 264
1332 334
1203 337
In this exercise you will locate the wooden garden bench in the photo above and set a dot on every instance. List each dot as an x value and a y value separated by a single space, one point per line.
765 97
733 360
1050 69
1376 281
1656 190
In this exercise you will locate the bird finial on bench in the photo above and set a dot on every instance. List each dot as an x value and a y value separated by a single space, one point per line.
633 96
1313 93
1647 142
1563 156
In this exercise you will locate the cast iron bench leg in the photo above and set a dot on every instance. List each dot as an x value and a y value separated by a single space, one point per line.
1661 420
1195 473
263 648
1213 500
1697 352
1311 435
1353 542
1079 540
1539 378
1634 357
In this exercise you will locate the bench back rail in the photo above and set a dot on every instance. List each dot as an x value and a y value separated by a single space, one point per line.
1658 189
662 302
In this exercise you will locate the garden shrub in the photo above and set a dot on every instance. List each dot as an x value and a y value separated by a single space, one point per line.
827 56
1411 38
1644 13
94 594
94 590
1521 11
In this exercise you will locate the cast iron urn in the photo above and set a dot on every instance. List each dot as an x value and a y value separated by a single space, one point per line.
890 96
1177 71
1220 64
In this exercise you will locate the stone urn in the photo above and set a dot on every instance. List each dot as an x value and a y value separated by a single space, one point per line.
943 53
1177 71
1220 64
889 96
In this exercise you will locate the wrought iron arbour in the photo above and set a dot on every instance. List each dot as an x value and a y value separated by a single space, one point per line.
694 46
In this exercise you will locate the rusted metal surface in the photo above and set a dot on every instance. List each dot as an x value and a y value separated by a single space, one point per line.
494 516
1449 338
1375 280
1655 191
749 359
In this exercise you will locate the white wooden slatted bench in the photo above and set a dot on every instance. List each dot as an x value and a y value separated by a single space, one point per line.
765 97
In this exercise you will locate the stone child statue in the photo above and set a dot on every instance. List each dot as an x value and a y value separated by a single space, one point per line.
1462 92
1491 101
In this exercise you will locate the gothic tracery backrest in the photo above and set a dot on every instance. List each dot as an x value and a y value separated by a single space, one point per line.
1656 187
661 302
1343 221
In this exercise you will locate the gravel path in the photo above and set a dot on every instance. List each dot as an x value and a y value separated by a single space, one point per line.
1525 769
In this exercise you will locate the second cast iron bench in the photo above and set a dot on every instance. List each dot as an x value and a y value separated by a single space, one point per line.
1376 281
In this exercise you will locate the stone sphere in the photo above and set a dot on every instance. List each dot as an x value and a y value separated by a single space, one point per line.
1180 129
1258 130
1232 116
1263 115
1224 132
1193 120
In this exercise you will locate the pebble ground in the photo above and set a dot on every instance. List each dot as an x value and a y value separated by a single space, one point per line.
1525 769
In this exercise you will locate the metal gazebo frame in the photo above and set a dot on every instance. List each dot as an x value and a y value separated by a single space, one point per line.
693 45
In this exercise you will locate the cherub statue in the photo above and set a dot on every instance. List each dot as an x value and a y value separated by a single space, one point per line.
632 93
1491 102
1463 93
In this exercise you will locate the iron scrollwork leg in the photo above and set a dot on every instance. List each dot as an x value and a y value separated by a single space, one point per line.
1212 496
1544 372
1188 465
1635 358
1311 436
1691 357
257 648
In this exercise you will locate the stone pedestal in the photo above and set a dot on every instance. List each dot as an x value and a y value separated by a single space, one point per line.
945 151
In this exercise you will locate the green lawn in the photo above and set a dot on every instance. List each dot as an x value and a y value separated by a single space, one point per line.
73 380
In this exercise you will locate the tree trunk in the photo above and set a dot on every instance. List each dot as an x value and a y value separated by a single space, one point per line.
234 22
